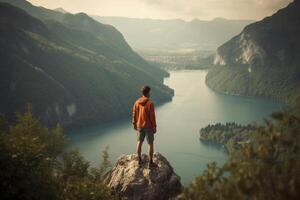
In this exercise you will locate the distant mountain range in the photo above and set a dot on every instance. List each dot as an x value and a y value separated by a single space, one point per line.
149 34
263 59
61 10
71 68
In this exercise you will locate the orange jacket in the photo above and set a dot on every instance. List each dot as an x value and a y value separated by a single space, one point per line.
143 114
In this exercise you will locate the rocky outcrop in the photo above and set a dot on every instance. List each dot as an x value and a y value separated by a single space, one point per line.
271 42
135 182
263 60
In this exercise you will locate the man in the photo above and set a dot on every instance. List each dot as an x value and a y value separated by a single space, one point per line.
143 120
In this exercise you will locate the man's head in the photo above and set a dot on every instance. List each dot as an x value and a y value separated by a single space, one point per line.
146 91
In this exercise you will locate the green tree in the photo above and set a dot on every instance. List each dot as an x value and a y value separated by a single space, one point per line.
266 168
35 165
78 182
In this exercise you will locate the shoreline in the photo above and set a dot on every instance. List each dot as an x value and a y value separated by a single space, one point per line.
286 103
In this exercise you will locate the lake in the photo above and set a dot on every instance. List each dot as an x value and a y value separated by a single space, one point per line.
194 106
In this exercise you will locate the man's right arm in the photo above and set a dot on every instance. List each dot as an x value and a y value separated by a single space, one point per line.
134 116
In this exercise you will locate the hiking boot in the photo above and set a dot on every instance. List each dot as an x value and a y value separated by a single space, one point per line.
152 165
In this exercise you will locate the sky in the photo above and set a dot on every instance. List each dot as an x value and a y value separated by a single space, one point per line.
170 9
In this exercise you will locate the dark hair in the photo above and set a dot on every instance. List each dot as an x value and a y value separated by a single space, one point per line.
145 90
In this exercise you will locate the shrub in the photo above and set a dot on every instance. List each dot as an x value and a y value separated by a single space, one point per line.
35 165
266 168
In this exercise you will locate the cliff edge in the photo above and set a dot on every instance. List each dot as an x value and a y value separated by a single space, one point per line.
137 183
263 60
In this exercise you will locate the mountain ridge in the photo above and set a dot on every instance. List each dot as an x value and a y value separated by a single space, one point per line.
67 83
106 33
175 33
60 9
263 59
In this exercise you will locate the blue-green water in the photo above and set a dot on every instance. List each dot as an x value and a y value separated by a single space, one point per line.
194 106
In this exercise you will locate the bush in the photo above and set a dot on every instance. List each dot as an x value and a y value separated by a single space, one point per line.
266 168
35 165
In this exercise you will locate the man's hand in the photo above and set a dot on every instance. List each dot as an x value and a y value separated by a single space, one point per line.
154 130
135 127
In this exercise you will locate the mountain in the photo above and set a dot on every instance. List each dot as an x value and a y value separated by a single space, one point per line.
263 59
72 69
143 34
109 40
61 10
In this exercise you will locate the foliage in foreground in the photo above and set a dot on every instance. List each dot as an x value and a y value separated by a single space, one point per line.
35 165
267 168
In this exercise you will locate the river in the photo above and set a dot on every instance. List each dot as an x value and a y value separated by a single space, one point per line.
193 106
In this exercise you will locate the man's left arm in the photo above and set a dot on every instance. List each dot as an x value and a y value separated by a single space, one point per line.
152 117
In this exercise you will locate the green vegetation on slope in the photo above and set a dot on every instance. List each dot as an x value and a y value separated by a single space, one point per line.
71 74
266 168
231 135
106 38
35 165
263 60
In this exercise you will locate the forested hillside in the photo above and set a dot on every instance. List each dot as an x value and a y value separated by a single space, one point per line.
72 69
263 60
231 135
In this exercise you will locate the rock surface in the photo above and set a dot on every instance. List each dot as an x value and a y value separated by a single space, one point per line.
263 60
137 183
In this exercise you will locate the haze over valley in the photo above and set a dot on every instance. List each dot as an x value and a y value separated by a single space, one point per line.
179 35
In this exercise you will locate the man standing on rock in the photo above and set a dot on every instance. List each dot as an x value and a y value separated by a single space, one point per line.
143 120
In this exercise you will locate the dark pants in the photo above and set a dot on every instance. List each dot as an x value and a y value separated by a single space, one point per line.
146 132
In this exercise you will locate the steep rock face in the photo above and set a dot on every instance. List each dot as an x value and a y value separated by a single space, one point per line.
137 183
263 59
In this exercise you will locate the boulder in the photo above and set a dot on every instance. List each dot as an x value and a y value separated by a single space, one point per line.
135 182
